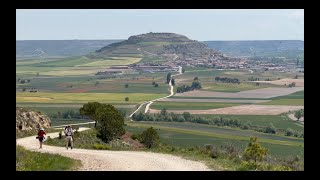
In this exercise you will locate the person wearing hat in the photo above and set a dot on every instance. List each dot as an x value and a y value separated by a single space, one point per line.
41 134
69 136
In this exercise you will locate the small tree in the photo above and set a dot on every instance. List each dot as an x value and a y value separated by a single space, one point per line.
173 82
22 81
163 112
180 118
126 85
110 124
254 151
156 85
183 70
187 116
196 85
150 137
289 132
153 83
168 77
126 99
270 129
298 114
89 110
23 89
196 78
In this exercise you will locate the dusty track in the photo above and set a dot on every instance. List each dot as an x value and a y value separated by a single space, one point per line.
103 160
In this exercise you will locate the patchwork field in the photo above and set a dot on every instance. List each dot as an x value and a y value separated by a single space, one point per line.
285 81
257 93
288 102
213 100
84 97
241 109
279 121
228 87
189 134
191 105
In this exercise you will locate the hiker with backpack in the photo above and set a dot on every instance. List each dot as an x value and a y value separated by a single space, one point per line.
41 136
69 136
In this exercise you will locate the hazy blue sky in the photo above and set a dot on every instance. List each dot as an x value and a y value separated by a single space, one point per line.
196 24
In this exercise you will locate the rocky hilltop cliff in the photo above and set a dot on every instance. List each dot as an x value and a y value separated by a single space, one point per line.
31 120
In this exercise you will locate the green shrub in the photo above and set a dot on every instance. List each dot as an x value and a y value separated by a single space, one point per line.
150 137
136 137
101 147
215 152
254 151
247 166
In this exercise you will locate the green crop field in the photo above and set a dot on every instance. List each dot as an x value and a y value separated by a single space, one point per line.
108 63
294 99
229 87
84 97
261 120
288 102
191 105
296 95
199 136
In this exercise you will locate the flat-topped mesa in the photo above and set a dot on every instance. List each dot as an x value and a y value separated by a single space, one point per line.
158 37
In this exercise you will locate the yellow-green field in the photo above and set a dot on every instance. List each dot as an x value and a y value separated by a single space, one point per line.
107 63
288 102
71 66
84 97
228 87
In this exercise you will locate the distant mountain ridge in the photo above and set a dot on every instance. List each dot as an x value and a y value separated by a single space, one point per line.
288 48
158 43
31 48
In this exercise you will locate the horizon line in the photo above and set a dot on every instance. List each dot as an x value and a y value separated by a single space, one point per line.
127 39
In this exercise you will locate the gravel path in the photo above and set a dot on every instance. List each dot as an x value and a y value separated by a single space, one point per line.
103 160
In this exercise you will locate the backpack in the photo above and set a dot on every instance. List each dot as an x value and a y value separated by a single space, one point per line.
69 132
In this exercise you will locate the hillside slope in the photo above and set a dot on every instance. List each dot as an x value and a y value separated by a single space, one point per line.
163 45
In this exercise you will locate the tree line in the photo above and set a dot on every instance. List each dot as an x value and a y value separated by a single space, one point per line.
195 85
216 121
227 80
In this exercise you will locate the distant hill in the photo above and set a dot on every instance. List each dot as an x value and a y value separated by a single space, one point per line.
58 48
272 48
158 44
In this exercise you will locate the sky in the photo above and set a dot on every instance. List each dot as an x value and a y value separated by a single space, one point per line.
201 25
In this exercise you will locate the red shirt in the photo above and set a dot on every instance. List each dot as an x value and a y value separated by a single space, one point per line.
41 133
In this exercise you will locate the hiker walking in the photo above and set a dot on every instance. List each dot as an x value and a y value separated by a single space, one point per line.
41 136
69 136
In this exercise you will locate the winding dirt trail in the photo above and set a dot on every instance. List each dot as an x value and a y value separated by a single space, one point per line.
152 101
104 160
